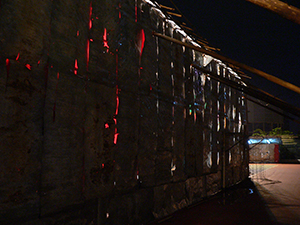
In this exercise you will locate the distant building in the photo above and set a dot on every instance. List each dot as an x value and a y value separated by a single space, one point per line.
264 119
281 148
264 149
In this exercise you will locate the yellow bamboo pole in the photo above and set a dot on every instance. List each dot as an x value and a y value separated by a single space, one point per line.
283 9
267 76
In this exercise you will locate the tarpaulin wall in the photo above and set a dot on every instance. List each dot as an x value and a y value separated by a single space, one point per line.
103 123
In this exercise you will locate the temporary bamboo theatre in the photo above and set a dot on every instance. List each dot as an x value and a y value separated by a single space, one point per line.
105 121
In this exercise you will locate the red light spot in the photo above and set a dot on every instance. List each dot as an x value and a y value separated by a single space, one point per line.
7 67
28 66
18 56
90 16
150 87
106 126
135 11
77 33
57 76
102 165
120 12
76 67
117 106
141 41
116 138
39 62
91 40
117 99
105 42
87 54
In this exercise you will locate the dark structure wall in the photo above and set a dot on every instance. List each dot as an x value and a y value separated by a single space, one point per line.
102 123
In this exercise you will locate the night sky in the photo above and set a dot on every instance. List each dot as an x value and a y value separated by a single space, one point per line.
252 35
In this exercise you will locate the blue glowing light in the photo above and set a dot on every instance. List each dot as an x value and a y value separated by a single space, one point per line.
264 141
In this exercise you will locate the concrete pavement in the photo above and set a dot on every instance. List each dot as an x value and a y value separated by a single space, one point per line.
279 185
272 196
240 204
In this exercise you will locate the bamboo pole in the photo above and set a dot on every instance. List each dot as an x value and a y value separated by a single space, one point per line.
166 7
253 91
174 14
283 9
233 62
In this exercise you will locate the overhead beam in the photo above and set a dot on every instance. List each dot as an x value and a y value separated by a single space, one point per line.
267 76
281 8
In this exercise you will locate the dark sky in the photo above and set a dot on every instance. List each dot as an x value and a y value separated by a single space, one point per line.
252 35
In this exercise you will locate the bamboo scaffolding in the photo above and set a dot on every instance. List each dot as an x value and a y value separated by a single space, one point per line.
253 91
166 7
267 76
281 8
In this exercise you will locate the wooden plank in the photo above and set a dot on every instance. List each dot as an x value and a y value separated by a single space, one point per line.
281 8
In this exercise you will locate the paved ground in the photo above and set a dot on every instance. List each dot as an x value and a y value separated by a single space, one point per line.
255 168
239 205
279 185
272 196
